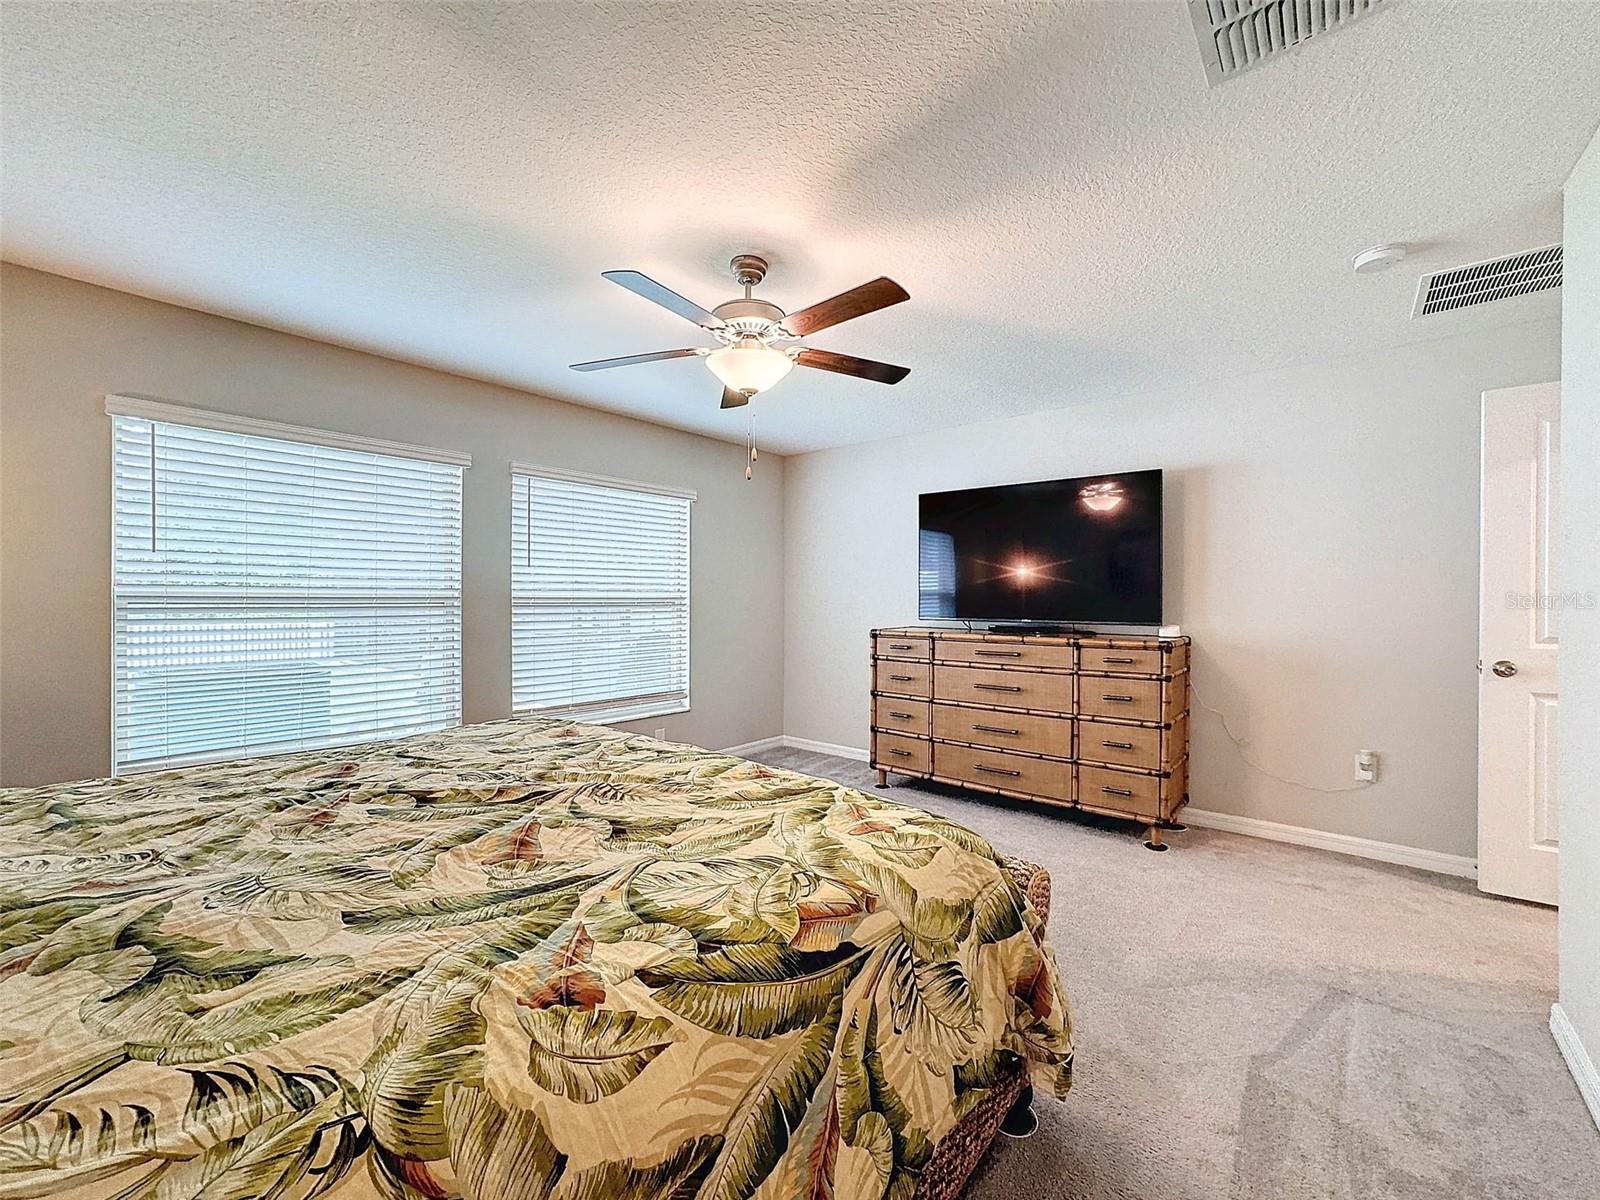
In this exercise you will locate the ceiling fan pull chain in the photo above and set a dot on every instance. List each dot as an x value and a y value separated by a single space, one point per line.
749 445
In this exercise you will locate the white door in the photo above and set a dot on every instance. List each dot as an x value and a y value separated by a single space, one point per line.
1519 619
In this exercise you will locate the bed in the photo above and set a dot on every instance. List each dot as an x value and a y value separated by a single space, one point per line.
520 959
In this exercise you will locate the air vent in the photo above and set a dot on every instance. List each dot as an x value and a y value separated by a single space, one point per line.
1497 279
1236 35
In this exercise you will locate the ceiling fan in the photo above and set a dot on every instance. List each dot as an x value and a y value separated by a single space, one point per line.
760 343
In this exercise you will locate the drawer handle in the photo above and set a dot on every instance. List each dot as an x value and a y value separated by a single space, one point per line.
1119 661
997 653
901 646
899 753
903 678
1118 699
998 729
1117 745
1001 687
902 716
995 770
1111 791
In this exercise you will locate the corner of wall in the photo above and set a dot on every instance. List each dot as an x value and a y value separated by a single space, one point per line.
1576 1019
1578 1061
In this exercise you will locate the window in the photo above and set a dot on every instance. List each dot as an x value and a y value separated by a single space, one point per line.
277 589
599 596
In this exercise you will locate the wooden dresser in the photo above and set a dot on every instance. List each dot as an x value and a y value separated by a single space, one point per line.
1077 720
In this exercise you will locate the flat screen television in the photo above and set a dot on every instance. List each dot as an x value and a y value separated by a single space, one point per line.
1064 551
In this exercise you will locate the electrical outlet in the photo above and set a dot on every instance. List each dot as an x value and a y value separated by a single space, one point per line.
1366 766
661 734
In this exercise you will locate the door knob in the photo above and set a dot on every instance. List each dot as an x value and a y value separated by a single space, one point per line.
1504 668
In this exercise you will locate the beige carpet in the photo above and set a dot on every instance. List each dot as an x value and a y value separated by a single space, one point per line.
1257 1020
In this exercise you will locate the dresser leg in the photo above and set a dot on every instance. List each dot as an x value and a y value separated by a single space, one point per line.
1152 838
883 778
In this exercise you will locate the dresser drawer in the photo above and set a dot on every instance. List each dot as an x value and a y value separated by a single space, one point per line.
1126 662
901 647
1008 772
902 678
1121 745
909 755
1012 689
1133 699
1005 654
902 716
1006 731
1138 795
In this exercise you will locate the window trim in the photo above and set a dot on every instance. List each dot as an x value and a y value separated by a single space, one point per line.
632 485
668 707
576 714
204 418
164 412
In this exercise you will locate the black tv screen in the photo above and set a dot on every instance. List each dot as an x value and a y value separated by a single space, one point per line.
1062 551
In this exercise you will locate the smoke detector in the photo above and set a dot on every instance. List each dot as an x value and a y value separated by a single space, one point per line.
1378 258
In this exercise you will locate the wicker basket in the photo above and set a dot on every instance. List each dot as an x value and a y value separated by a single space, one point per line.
958 1153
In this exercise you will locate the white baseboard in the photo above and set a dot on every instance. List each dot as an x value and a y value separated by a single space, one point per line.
1339 843
1578 1060
746 749
855 753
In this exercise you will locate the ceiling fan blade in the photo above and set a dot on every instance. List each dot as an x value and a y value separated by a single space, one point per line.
857 302
733 399
643 285
848 364
603 364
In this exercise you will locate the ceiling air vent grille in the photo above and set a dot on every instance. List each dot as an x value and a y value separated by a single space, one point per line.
1236 35
1497 279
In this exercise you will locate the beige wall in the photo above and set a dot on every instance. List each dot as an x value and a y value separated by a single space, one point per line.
1322 541
64 345
1322 549
1578 737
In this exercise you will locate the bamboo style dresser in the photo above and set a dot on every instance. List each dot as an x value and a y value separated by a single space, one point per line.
1074 720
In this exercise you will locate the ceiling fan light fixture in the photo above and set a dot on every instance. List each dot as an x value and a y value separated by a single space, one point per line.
747 361
749 366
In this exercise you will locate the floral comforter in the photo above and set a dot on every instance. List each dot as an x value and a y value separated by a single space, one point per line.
516 960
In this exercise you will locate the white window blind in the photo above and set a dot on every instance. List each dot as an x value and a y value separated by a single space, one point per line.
273 594
599 597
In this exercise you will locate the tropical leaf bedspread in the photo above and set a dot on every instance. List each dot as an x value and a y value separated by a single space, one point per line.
522 959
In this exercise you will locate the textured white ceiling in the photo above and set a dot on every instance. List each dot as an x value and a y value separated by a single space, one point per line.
1075 213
